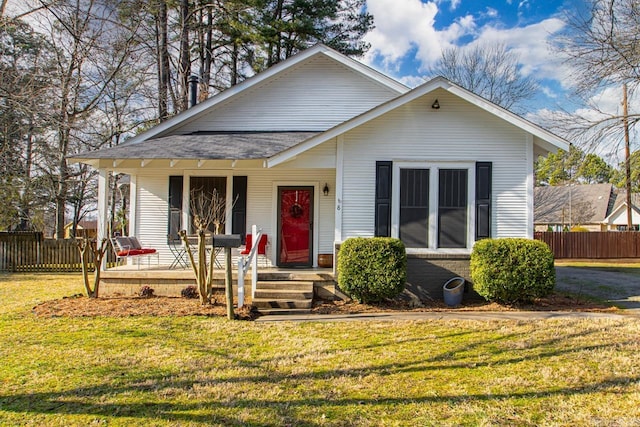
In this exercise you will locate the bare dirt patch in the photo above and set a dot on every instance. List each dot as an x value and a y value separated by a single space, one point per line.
554 302
81 306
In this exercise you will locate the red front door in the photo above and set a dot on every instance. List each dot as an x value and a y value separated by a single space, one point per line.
295 226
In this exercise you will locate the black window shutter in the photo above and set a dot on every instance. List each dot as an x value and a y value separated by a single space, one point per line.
383 199
239 211
483 200
175 205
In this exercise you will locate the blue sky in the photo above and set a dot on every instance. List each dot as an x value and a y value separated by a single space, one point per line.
410 35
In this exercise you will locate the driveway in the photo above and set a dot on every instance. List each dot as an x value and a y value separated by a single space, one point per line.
620 289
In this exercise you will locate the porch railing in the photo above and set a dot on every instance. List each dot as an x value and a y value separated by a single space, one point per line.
251 260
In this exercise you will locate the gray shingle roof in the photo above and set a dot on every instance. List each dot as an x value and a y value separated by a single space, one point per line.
588 204
621 198
214 146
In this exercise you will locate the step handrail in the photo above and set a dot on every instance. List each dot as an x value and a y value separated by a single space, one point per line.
251 260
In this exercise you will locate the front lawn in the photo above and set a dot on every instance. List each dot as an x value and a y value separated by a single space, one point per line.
209 371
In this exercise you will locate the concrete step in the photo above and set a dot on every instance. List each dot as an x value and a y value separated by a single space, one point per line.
280 311
285 284
284 294
295 276
269 303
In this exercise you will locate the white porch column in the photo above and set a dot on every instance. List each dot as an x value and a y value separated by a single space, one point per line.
103 209
529 159
338 208
133 204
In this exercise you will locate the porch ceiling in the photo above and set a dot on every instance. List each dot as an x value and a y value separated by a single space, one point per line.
202 146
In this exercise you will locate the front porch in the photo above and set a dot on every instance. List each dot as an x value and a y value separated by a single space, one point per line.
128 280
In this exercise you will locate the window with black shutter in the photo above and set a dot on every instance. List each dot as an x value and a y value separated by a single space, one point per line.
175 206
483 200
383 199
239 210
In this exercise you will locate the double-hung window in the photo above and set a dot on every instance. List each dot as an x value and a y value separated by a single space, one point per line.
433 206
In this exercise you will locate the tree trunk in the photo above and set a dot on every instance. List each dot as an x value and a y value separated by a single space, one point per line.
202 268
61 197
185 60
208 58
234 64
163 60
627 157
85 247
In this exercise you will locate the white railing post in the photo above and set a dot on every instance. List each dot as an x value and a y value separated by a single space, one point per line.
243 265
254 260
240 282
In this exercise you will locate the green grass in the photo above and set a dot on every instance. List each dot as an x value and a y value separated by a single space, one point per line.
209 371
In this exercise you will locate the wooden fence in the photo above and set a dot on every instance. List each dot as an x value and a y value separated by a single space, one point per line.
592 245
30 252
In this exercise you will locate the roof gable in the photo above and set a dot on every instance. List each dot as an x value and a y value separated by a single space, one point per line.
183 123
620 206
544 139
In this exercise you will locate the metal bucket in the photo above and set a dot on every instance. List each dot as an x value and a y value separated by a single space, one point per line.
453 291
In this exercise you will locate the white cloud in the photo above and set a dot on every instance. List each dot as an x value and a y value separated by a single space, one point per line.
400 27
412 81
491 12
548 91
531 43
455 4
406 27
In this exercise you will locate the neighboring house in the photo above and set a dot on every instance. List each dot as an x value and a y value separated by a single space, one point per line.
85 228
558 208
616 219
320 148
596 207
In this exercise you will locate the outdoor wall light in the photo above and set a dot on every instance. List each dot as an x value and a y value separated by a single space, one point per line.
435 105
325 190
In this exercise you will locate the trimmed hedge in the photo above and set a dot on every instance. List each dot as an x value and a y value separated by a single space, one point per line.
512 269
372 269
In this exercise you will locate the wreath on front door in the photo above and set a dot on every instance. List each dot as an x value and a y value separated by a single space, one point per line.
296 211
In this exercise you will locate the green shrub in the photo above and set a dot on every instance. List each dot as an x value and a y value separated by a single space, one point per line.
372 269
512 270
579 228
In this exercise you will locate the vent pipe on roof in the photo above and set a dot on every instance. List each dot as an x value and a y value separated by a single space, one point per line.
193 90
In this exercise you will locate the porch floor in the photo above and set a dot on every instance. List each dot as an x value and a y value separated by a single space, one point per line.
127 280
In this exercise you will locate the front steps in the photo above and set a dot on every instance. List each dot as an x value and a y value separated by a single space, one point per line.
284 297
289 292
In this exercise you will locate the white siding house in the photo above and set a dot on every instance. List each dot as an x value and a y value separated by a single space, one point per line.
330 149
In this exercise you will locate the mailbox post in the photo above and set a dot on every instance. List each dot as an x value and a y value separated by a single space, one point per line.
227 241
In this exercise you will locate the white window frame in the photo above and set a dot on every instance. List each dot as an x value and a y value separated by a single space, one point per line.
434 168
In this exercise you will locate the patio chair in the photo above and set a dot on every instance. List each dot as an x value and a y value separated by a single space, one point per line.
178 252
262 247
130 248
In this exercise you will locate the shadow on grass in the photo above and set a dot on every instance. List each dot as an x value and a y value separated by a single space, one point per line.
143 397
81 401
